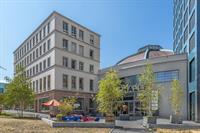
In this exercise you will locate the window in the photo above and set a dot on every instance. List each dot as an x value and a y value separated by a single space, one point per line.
49 61
65 44
48 27
40 35
91 54
186 34
30 57
37 53
81 84
65 27
44 31
27 46
192 42
91 68
40 84
30 71
65 61
33 85
91 85
36 86
44 47
33 55
44 83
44 64
49 82
191 5
37 68
73 47
192 22
40 50
81 66
73 64
91 39
34 70
192 70
73 31
49 44
81 50
34 41
65 81
166 76
186 17
40 66
81 34
73 82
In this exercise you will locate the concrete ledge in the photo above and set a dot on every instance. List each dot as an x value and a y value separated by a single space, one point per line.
78 124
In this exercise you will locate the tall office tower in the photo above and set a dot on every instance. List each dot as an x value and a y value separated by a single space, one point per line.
186 39
61 58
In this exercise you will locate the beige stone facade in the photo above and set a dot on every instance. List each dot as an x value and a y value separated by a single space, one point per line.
62 59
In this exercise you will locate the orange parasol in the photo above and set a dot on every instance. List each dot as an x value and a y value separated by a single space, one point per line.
52 102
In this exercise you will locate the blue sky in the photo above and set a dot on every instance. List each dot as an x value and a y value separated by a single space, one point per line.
124 25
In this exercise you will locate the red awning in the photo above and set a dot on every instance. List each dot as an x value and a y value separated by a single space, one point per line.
52 102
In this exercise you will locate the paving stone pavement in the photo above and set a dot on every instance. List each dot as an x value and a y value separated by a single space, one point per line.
129 131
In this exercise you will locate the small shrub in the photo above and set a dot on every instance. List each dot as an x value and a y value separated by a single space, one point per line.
59 117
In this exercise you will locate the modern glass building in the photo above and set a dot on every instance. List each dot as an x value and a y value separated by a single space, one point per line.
2 86
186 39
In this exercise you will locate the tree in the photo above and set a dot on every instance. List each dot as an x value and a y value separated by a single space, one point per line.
148 95
67 106
109 93
18 92
176 98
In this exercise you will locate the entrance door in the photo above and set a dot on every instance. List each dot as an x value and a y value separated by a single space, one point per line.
192 106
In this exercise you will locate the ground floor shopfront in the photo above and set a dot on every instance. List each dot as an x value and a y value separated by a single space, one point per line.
84 100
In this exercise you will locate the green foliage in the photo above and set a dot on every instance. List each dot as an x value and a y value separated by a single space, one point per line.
59 117
110 92
18 92
148 95
67 106
176 98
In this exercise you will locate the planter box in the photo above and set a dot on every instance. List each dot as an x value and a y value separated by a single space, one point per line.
176 119
149 121
110 119
124 117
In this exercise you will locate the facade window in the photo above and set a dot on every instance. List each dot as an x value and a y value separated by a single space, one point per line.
65 61
40 33
166 76
91 68
81 50
36 36
73 64
186 34
65 81
40 50
49 61
44 31
192 70
49 44
34 41
91 54
34 70
192 22
33 55
192 42
186 17
48 27
73 31
49 82
91 85
91 39
81 34
73 82
30 71
44 83
33 85
73 47
36 85
191 5
37 68
65 44
40 84
27 46
44 64
40 66
81 83
65 27
81 66
44 47
37 53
